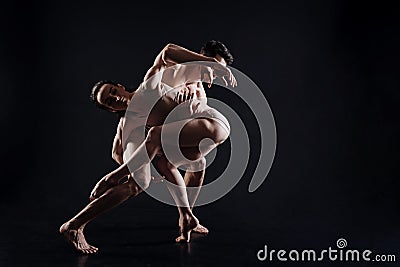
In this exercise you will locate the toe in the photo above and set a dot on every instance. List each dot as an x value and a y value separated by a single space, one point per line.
181 239
93 248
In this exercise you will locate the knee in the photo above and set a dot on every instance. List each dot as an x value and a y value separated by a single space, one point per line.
220 134
200 164
133 188
142 181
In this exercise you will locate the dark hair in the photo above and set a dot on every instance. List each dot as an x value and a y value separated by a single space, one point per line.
95 92
213 47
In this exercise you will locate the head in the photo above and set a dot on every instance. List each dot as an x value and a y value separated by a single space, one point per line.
217 50
110 96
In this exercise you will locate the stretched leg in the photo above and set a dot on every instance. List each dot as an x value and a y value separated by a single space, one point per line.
187 221
194 178
190 136
208 129
73 229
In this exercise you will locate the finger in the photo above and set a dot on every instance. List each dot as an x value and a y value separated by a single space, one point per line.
207 78
212 77
211 74
225 82
236 83
230 77
233 80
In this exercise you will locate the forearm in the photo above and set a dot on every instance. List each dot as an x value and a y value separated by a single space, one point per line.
117 149
176 54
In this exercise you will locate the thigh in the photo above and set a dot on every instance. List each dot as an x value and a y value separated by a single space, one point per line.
187 133
142 176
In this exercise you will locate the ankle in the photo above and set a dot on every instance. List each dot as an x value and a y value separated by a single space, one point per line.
186 216
74 225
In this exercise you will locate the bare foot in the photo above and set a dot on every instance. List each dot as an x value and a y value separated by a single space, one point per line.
200 229
186 226
76 238
100 188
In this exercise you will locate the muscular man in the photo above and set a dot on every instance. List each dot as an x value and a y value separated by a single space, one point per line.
116 194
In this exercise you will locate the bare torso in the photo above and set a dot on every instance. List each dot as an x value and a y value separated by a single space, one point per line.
190 84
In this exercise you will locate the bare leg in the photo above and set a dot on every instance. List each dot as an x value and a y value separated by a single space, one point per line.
103 185
172 175
73 229
190 136
187 221
194 181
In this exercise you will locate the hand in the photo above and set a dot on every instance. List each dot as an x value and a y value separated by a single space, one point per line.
221 71
218 70
184 95
102 186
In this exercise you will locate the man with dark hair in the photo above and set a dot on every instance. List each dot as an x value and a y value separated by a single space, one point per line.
172 53
215 48
114 98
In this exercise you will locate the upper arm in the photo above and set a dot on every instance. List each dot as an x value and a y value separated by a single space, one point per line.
161 62
117 143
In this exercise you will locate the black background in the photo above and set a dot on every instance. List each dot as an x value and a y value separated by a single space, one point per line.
329 70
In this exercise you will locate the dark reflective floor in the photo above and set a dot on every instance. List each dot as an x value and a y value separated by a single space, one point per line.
143 236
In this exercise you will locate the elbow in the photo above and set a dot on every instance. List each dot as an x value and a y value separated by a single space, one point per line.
169 46
115 154
117 158
166 53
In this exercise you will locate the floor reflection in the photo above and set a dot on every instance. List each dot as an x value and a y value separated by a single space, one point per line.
82 259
